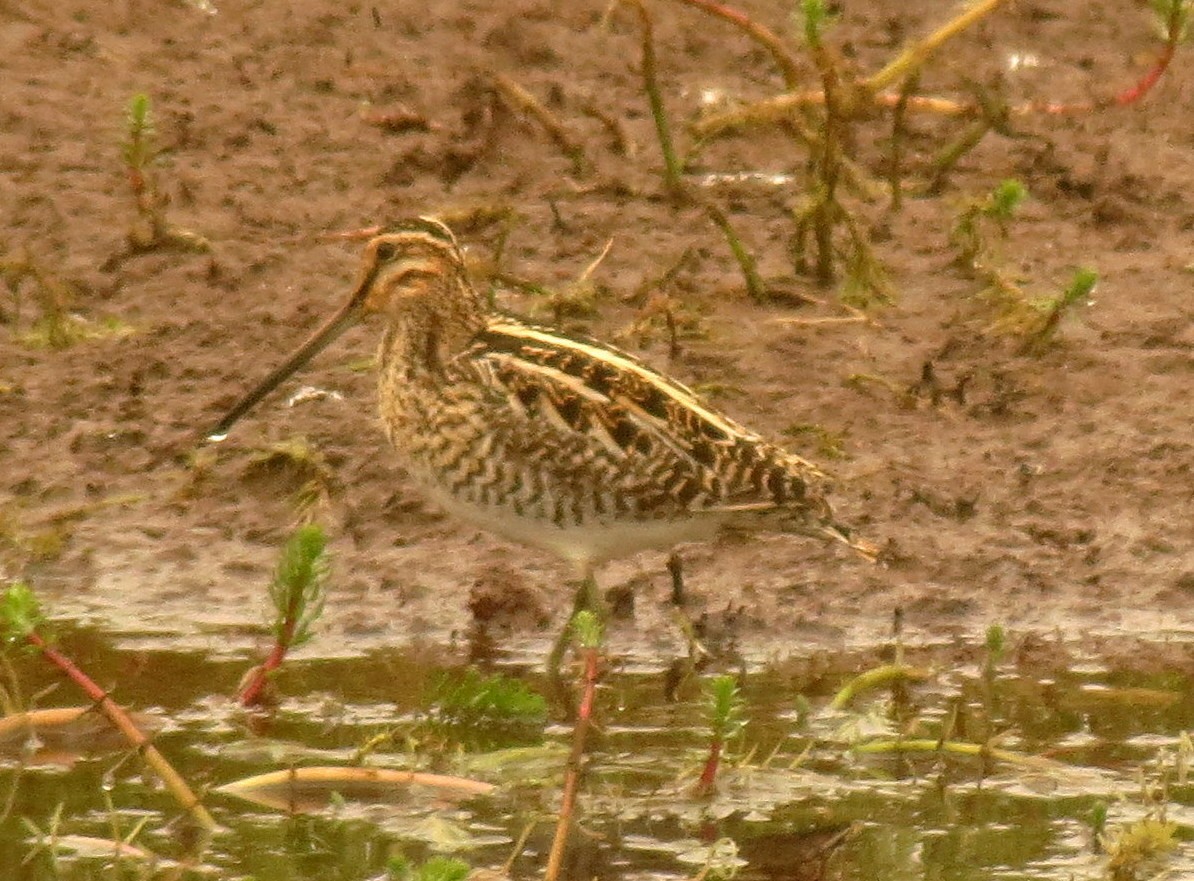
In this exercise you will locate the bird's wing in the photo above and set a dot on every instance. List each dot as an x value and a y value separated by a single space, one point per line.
652 428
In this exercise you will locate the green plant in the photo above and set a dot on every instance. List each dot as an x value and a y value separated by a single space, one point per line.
724 709
995 645
141 154
1140 850
996 209
56 327
1036 320
298 591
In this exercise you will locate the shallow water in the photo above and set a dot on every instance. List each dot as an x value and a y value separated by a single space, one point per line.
799 796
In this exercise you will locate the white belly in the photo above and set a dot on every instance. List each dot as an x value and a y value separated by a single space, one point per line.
583 546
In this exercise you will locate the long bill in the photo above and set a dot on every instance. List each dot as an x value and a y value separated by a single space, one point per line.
348 315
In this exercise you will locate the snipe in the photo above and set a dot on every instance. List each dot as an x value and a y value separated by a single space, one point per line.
548 439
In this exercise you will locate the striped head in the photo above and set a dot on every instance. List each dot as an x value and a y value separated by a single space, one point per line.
413 275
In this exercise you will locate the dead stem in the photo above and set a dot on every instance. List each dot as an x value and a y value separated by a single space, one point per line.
755 287
520 99
913 57
671 164
591 655
779 109
120 719
765 37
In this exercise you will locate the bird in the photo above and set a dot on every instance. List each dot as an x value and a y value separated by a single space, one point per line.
546 438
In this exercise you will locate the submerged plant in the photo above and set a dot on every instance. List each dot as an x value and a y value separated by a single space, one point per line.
1141 849
484 704
435 869
22 623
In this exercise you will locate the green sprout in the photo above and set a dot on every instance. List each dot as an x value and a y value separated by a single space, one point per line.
139 150
20 613
995 646
300 584
724 709
298 592
815 18
997 208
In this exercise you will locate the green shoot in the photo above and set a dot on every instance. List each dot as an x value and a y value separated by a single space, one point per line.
298 591
671 163
1036 321
1140 849
995 647
1098 824
1173 19
299 584
725 712
998 208
587 630
139 150
150 230
815 19
1052 309
20 614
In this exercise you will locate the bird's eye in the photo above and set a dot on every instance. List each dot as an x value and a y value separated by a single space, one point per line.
386 251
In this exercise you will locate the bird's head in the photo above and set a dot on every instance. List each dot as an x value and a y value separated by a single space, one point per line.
413 275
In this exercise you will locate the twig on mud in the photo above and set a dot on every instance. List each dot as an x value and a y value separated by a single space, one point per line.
913 58
779 109
587 630
671 164
755 287
764 36
520 99
20 620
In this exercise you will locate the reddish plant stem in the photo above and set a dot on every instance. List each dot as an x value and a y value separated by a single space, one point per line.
709 772
762 35
584 718
1150 79
253 692
120 719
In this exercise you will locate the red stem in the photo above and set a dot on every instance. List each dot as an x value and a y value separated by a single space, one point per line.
584 716
709 773
254 692
120 719
1138 91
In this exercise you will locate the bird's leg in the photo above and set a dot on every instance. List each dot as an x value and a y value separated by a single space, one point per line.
675 567
587 597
